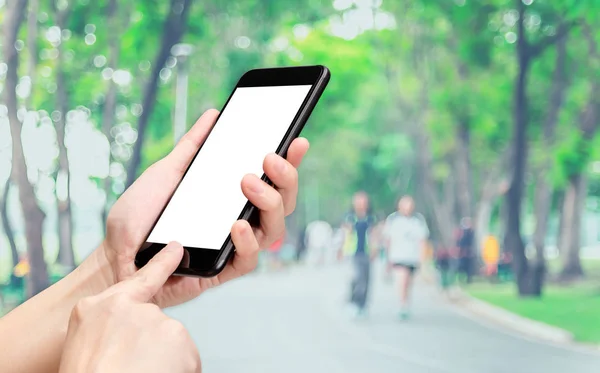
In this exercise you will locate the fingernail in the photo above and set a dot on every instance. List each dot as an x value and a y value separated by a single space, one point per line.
280 165
256 186
173 246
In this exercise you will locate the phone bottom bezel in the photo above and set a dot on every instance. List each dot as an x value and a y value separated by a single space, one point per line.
197 262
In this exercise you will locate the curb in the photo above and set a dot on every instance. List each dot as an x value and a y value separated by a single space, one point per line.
520 324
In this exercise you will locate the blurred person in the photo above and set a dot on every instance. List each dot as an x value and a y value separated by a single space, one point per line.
130 219
406 236
301 244
20 271
318 242
466 249
274 254
22 268
443 263
491 255
377 240
337 241
358 224
505 271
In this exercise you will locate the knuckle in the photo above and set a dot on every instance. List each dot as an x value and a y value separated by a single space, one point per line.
175 329
141 283
293 176
81 309
144 315
116 302
152 309
275 202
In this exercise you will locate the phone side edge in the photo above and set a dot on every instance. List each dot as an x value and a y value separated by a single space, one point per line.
295 130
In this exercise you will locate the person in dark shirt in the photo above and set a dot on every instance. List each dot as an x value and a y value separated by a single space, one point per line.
359 223
466 248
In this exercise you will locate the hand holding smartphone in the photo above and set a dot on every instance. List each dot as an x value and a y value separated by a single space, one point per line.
266 111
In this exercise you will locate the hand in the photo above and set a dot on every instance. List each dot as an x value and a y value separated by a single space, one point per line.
118 331
133 215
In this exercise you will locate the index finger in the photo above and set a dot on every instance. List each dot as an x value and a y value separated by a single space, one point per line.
146 282
185 150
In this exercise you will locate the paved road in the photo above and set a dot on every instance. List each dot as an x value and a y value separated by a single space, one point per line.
294 322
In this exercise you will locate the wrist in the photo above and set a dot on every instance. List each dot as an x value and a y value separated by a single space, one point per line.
46 335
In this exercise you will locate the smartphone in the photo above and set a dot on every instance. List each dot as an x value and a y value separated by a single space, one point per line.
265 112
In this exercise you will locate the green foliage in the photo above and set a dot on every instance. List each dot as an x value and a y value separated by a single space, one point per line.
438 66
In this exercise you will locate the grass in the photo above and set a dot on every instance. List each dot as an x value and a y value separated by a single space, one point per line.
591 267
575 307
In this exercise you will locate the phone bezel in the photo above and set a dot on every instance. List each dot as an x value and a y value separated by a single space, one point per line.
203 262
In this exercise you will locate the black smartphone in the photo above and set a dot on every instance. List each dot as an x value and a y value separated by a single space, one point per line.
265 112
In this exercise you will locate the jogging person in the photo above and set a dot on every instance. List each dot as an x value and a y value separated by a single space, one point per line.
359 223
406 234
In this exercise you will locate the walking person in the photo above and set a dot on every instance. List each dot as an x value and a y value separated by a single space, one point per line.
466 249
318 242
406 234
358 224
443 263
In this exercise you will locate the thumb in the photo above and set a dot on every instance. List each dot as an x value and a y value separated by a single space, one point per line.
149 279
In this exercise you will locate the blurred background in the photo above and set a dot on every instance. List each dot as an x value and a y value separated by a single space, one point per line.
486 110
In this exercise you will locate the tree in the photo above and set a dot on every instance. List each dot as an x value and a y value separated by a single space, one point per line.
543 188
528 282
174 27
6 223
66 255
34 216
115 26
576 191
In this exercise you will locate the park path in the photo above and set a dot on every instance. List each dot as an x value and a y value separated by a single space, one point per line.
294 322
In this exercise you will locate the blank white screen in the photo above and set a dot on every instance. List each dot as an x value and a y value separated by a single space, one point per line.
209 198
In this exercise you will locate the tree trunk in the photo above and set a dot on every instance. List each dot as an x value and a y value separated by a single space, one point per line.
482 220
110 103
492 190
494 186
34 216
561 218
513 240
443 217
7 226
543 190
571 234
577 189
32 35
463 171
66 255
173 29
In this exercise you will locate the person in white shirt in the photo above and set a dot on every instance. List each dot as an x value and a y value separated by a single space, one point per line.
318 242
405 235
